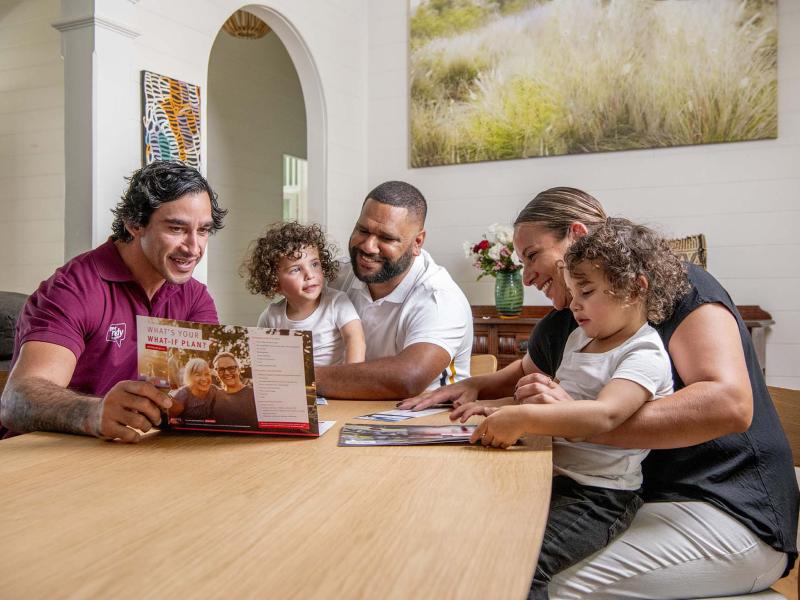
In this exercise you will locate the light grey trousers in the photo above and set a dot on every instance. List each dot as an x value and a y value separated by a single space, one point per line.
674 550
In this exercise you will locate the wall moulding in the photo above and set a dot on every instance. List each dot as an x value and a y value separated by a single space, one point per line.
85 22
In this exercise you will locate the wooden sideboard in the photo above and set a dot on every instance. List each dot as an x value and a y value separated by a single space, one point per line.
507 338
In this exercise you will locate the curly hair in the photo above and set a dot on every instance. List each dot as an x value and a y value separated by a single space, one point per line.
260 267
155 184
625 251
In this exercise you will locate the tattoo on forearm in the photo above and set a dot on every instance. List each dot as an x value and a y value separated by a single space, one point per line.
36 404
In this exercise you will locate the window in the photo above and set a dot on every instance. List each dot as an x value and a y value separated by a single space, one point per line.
295 189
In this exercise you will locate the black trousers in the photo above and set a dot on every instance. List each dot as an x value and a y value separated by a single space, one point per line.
582 520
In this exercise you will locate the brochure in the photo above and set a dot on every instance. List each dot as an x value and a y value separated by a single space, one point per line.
353 434
394 416
228 378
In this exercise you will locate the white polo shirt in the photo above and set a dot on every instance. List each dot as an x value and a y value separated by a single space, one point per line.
427 306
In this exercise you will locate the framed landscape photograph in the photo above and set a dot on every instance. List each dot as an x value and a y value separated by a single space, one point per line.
503 79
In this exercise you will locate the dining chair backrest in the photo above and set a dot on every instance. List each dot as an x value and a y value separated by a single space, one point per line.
482 364
787 403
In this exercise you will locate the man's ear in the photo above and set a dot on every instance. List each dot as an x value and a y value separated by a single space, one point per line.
419 240
132 229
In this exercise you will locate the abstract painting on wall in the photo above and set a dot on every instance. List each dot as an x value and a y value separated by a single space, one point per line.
171 119
503 79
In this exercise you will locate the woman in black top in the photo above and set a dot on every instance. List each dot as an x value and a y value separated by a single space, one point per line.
722 500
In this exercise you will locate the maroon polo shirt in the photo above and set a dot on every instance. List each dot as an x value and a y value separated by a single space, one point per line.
89 306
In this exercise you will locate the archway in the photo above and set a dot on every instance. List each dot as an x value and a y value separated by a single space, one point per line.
265 104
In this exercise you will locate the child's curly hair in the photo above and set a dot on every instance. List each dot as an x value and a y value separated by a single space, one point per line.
626 250
260 267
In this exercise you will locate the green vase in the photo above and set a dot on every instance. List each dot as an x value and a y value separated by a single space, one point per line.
508 293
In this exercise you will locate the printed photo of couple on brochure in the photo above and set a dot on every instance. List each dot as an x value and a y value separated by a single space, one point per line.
209 380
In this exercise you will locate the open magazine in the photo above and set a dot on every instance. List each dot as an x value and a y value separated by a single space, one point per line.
353 434
229 378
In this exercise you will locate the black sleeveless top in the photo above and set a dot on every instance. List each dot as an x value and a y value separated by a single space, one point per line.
748 475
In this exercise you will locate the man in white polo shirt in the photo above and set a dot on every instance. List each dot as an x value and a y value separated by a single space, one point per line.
417 321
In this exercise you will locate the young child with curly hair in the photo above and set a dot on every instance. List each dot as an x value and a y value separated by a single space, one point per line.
294 260
620 276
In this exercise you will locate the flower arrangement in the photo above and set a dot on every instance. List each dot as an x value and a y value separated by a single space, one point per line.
494 253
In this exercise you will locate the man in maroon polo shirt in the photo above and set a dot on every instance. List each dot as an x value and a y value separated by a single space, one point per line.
75 364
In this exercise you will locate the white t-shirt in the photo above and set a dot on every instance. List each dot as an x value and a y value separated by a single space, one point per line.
427 306
334 312
641 358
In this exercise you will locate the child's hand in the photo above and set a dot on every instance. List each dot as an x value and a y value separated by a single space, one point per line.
501 429
538 388
465 411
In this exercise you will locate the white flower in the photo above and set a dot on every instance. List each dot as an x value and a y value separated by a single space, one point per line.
500 233
515 259
467 249
494 251
491 234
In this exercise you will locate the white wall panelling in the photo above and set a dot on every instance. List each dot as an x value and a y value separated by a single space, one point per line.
31 144
745 197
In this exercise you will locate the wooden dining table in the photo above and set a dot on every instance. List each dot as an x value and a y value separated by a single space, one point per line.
183 515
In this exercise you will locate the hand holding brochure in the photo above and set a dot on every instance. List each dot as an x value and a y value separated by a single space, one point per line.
229 378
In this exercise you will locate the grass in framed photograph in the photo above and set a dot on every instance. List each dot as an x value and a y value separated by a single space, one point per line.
504 79
171 119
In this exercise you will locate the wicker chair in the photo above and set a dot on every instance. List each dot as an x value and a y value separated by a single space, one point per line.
691 249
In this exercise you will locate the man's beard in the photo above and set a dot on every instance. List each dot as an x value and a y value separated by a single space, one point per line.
389 270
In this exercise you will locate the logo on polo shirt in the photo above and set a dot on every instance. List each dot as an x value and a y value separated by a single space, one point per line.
116 333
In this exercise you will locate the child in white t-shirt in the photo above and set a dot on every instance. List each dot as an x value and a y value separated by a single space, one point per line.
293 260
619 276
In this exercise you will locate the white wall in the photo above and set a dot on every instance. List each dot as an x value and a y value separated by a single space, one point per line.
31 144
325 39
744 197
255 116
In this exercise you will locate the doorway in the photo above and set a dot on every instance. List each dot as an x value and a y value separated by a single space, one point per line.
256 116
